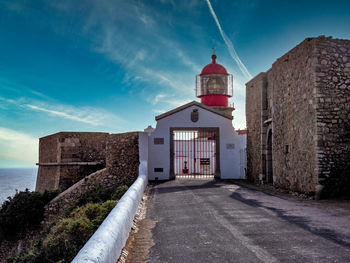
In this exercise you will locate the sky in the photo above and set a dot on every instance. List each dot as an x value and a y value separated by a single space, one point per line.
112 66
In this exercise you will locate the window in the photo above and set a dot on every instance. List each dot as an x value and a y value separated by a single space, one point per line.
158 140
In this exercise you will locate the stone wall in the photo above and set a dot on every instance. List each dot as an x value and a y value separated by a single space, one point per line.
122 155
48 176
333 103
287 107
307 98
66 157
292 102
254 107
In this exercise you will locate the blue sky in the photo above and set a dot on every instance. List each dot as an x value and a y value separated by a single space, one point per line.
113 65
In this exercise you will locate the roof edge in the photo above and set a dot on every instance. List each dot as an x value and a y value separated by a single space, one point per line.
192 103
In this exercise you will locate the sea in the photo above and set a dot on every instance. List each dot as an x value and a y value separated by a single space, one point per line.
16 179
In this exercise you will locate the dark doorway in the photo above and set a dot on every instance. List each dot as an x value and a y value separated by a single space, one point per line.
194 152
269 167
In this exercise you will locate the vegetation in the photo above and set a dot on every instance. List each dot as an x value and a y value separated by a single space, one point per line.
70 233
24 211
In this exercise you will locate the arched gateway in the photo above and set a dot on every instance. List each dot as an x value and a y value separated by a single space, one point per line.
198 139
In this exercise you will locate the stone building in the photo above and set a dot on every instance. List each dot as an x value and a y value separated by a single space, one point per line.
67 157
298 116
198 139
195 139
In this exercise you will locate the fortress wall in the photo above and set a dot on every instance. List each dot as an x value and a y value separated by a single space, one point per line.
292 102
66 157
122 155
254 106
284 99
80 147
333 104
48 176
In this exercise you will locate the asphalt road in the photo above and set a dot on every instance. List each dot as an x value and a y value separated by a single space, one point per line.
215 221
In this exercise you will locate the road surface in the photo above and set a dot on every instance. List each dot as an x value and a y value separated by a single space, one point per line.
216 221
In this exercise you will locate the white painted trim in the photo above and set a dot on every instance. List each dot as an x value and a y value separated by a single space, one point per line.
108 241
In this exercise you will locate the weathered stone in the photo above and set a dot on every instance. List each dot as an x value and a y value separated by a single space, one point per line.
302 153
67 157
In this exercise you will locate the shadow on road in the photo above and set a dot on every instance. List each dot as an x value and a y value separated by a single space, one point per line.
180 185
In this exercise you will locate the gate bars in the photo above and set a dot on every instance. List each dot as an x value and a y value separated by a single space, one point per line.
194 152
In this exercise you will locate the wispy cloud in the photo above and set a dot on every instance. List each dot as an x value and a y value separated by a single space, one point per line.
78 117
155 99
229 44
167 102
88 115
147 20
19 146
159 111
146 53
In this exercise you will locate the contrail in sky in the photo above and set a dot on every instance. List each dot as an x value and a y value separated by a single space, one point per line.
229 44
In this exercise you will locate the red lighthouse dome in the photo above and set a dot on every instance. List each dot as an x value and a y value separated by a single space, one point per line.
213 68
214 85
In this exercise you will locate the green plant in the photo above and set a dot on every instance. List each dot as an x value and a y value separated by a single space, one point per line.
25 210
119 192
70 234
96 195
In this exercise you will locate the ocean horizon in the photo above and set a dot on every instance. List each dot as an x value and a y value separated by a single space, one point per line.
16 179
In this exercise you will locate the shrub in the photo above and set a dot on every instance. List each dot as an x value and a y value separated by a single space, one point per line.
119 192
24 211
98 194
70 234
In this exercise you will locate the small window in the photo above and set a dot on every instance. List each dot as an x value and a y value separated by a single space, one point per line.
158 140
230 146
287 149
158 170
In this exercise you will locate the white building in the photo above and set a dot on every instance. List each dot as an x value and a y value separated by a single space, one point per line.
198 139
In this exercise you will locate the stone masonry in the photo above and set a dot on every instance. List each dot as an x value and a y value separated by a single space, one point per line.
298 115
122 164
67 157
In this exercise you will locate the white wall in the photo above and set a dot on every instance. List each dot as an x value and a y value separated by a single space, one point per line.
143 146
159 155
107 242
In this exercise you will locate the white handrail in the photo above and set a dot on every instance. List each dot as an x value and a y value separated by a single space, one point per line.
107 242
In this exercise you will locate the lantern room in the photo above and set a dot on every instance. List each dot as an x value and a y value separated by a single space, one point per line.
214 86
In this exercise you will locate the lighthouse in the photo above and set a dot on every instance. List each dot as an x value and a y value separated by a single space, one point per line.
197 139
214 86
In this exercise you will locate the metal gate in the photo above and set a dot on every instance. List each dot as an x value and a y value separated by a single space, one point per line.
194 152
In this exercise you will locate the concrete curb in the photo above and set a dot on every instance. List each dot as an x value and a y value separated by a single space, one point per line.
108 241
